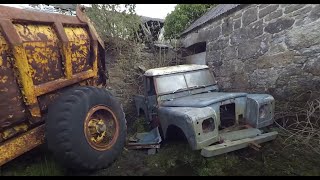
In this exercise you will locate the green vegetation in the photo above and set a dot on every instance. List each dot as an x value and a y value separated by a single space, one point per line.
139 125
173 158
274 158
176 158
111 20
181 17
38 162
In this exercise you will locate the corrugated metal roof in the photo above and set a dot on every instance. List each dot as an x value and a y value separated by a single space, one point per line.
211 14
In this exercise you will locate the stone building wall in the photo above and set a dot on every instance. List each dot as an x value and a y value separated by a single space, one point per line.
273 48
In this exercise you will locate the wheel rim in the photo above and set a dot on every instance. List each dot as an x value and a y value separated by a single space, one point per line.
101 128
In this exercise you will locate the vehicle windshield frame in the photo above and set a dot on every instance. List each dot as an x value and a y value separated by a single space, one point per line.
188 88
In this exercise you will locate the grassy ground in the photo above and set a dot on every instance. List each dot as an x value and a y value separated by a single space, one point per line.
38 162
176 158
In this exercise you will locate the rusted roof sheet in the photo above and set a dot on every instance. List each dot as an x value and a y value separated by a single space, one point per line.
174 69
211 14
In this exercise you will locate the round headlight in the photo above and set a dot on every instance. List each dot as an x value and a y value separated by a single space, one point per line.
263 111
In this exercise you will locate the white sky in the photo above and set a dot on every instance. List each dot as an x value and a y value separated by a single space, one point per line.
149 10
154 10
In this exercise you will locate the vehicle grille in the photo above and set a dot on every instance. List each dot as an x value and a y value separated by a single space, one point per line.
227 115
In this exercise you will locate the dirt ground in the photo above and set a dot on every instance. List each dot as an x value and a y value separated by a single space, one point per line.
175 158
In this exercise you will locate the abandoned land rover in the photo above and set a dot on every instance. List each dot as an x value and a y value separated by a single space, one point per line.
188 97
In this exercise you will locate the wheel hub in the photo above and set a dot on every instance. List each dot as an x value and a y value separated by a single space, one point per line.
101 128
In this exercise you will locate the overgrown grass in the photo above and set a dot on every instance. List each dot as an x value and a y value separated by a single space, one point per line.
176 158
38 162
138 126
274 158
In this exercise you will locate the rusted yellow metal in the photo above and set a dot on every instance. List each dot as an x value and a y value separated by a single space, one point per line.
95 62
60 83
41 54
67 63
42 50
3 79
79 42
101 134
3 48
19 145
32 32
83 18
94 127
8 133
12 109
25 78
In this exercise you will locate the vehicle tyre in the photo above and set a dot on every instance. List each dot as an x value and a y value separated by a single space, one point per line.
86 128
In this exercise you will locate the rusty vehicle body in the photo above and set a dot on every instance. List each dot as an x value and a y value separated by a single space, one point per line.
42 55
186 99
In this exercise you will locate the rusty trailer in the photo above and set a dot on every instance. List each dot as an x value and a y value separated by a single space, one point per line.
45 60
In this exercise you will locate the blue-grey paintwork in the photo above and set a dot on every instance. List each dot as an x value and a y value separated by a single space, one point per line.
188 109
202 100
254 102
146 138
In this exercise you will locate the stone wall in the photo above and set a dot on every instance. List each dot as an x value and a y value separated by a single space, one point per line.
269 48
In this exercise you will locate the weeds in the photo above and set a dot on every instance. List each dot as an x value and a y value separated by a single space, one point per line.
300 125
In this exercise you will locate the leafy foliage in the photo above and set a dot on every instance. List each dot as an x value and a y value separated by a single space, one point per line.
114 20
182 16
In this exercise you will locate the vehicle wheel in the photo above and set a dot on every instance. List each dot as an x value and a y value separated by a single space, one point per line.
86 128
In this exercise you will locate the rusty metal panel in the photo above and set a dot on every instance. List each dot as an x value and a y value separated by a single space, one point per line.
46 99
12 108
42 50
24 15
79 42
61 83
20 63
21 144
41 55
10 132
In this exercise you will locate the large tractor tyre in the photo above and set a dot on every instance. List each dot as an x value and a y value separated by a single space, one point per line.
86 128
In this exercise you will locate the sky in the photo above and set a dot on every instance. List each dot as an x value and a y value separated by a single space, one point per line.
154 10
149 10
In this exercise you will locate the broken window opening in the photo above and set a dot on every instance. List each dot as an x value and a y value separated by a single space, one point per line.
151 89
196 48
